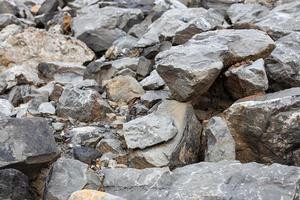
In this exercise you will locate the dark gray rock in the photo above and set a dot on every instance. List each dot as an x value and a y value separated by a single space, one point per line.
86 154
48 6
144 67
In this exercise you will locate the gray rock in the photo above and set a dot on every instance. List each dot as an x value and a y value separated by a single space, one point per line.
26 141
6 107
7 7
220 143
220 5
67 177
247 79
9 31
144 67
85 136
46 108
83 105
222 180
265 127
153 81
283 66
18 93
183 149
34 103
190 69
14 185
152 97
124 46
180 25
93 194
112 145
86 154
8 19
48 6
149 130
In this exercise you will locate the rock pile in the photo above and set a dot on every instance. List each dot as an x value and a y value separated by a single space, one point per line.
149 99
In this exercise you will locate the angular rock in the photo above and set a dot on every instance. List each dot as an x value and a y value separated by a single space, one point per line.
205 181
26 141
48 6
14 185
6 107
86 154
69 176
144 67
247 79
265 128
46 108
83 105
8 19
124 46
220 5
179 25
85 136
190 69
283 66
123 89
8 7
153 81
185 148
152 97
220 143
93 195
17 95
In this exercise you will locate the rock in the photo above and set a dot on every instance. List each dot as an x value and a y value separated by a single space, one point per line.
35 102
6 107
265 127
85 136
283 66
123 89
31 136
183 149
205 181
48 6
112 145
144 67
46 108
8 7
83 105
8 19
152 97
18 93
220 143
190 69
14 185
71 175
220 5
247 79
179 25
124 46
9 30
93 195
153 81
147 131
86 154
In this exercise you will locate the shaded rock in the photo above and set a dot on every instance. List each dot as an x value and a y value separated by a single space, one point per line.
220 5
123 89
93 195
26 141
34 103
6 107
46 108
220 143
184 148
9 31
190 69
71 175
283 66
86 154
179 25
152 97
124 46
14 185
48 6
265 127
144 67
83 105
112 145
8 19
18 93
205 181
8 7
247 79
85 136
153 81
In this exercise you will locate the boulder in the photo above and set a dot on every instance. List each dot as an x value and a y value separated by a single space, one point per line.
93 195
26 142
221 180
190 69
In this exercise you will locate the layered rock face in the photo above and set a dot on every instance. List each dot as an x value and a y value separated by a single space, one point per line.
149 99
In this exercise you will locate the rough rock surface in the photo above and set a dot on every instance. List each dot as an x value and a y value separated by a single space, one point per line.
93 195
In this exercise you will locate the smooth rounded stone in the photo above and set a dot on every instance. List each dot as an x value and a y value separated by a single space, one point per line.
27 141
265 128
47 108
283 66
247 79
123 89
85 136
221 180
6 107
83 105
14 185
93 195
86 154
189 70
69 176
180 25
33 46
220 143
153 81
61 72
185 148
148 131
152 97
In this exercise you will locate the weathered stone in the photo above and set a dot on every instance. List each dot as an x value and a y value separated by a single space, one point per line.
124 46
18 93
283 66
123 89
67 177
266 127
26 141
82 105
6 107
86 154
222 180
152 97
93 195
190 69
153 81
8 7
14 185
220 143
247 79
8 19
112 145
220 5
46 108
48 6
144 67
85 136
180 25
